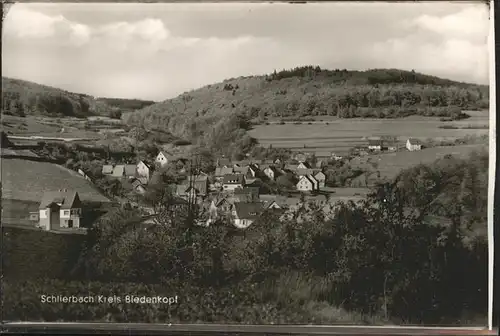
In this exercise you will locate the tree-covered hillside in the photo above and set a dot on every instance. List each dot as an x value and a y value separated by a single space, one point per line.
311 91
22 98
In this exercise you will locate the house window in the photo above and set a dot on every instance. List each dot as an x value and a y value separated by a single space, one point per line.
66 212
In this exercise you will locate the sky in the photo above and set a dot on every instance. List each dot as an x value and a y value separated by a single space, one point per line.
158 51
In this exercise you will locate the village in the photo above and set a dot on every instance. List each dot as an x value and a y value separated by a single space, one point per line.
233 190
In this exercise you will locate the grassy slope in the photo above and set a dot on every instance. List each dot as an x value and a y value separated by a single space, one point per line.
27 180
249 95
40 99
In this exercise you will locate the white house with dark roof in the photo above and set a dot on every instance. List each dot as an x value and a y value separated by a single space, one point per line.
163 158
232 181
375 145
413 144
305 184
321 178
60 209
245 214
144 171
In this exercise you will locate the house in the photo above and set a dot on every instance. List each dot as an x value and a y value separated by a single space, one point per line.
232 181
335 157
218 207
144 170
413 144
305 184
304 165
246 213
375 145
107 169
197 188
278 161
118 171
321 178
246 194
274 201
249 171
314 181
138 187
163 158
130 171
272 172
60 209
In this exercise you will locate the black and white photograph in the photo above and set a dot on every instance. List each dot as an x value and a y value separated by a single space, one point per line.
247 163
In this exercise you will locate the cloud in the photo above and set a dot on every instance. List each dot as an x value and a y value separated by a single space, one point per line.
453 46
160 51
471 22
24 23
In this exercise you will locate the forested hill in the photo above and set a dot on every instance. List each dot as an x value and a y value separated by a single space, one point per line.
21 98
311 91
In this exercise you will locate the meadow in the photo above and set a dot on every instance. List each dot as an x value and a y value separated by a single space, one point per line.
26 180
339 135
390 164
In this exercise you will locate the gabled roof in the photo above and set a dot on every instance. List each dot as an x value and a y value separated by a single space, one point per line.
130 170
146 163
291 167
223 162
248 210
234 179
320 173
247 191
118 170
66 199
223 171
165 154
375 142
414 141
305 164
199 186
301 171
307 178
107 169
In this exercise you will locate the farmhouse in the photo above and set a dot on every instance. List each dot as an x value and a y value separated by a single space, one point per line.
305 184
375 145
246 213
321 178
59 209
163 158
413 144
233 181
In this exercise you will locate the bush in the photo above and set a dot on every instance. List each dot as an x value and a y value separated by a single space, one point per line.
182 142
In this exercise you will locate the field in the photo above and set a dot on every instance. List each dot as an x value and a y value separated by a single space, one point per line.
339 135
55 127
390 164
26 180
